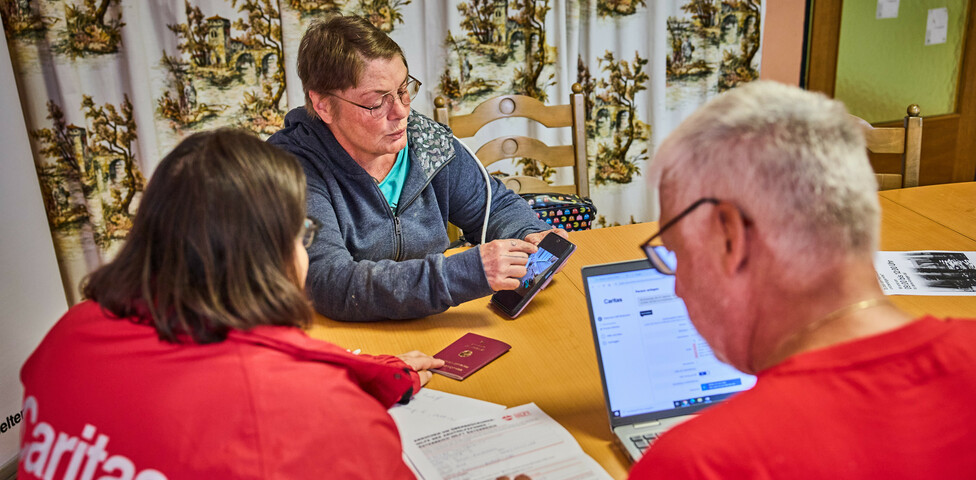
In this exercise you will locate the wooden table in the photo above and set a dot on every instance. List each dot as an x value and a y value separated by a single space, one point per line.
553 362
952 205
934 217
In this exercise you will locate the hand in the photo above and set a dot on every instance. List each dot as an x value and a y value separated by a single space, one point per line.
520 476
422 363
504 262
535 238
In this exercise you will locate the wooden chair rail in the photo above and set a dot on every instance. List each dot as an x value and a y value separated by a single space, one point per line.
553 116
526 147
525 184
511 106
885 140
905 140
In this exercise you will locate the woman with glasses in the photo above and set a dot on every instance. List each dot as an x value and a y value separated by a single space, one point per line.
384 182
187 360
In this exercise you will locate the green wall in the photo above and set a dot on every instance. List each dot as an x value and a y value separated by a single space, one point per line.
884 65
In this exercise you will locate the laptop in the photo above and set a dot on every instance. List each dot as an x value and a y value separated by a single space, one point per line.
657 371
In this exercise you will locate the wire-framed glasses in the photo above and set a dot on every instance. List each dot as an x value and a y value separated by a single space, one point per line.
662 265
405 93
309 227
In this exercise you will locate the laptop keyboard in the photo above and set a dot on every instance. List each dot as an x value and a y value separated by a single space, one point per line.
643 441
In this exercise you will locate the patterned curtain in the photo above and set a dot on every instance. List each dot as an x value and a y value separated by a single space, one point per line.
109 87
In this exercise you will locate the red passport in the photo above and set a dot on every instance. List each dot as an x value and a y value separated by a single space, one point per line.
468 354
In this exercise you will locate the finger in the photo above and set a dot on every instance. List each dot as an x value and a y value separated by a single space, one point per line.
536 238
509 261
512 245
505 284
425 377
428 363
410 357
420 361
522 246
512 271
517 271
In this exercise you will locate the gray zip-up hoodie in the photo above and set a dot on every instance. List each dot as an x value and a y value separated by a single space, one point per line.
370 263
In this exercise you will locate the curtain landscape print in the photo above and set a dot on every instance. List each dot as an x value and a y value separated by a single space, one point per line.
108 87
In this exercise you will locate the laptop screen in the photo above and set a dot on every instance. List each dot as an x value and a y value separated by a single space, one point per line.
652 360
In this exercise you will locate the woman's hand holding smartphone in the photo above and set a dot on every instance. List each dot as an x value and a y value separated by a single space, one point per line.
552 253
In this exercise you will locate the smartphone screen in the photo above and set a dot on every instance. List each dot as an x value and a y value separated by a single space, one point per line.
538 265
553 251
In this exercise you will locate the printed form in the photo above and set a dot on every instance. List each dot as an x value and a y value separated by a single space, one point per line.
519 440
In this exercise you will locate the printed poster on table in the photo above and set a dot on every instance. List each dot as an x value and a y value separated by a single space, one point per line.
926 272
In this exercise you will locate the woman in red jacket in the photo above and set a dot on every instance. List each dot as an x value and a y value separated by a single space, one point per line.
187 360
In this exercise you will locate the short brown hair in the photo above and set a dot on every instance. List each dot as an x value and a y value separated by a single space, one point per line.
212 247
334 51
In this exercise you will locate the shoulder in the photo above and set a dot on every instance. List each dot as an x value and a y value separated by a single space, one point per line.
311 142
966 325
93 322
431 143
947 332
952 343
304 136
297 124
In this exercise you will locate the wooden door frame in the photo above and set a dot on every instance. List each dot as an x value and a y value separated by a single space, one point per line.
954 134
966 147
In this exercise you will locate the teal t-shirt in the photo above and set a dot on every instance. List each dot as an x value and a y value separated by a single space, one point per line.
392 185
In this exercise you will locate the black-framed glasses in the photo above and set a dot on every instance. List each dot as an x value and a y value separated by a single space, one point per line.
668 267
405 93
309 227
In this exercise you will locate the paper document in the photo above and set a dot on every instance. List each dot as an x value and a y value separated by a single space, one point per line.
431 411
937 26
887 9
926 273
520 440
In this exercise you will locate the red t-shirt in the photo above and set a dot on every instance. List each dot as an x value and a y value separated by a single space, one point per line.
105 398
899 405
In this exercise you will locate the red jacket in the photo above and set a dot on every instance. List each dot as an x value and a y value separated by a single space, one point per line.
106 397
897 405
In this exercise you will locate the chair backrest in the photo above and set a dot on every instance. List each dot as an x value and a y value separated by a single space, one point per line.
516 146
905 140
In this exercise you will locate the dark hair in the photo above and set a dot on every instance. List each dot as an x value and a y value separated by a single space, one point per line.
334 51
212 247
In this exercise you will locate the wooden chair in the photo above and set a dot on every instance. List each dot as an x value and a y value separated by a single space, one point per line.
516 146
905 140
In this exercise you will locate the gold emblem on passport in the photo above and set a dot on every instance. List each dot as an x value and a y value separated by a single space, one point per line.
465 353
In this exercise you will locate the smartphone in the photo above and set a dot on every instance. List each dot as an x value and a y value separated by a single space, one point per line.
553 252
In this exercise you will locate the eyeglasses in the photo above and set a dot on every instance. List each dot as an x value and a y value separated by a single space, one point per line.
405 93
309 227
666 267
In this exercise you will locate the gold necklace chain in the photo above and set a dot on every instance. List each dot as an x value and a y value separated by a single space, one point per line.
830 317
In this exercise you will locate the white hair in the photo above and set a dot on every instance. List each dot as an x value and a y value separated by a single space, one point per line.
793 161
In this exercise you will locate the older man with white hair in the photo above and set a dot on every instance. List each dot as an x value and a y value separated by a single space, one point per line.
770 204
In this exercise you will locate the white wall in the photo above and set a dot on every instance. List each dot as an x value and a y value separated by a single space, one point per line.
31 293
